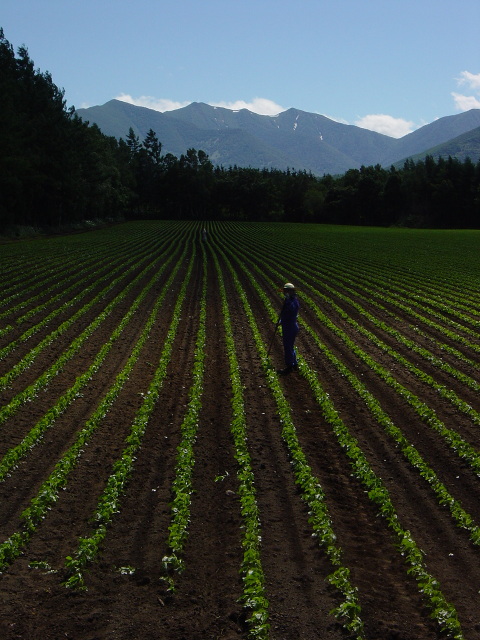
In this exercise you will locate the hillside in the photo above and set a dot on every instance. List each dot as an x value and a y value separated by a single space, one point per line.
462 147
436 133
293 139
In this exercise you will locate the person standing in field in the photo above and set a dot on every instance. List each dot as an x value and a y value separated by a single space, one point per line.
204 234
288 320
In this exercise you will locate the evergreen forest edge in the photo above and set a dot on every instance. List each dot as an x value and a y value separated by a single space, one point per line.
57 171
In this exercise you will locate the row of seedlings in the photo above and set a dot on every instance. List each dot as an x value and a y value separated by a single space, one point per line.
461 517
50 489
182 486
43 380
428 316
428 415
309 262
442 611
348 611
462 448
254 597
124 268
110 500
87 275
41 276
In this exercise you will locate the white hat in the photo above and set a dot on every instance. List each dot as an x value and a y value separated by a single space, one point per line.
288 285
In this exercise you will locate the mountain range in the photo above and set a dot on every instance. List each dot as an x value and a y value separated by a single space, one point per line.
293 139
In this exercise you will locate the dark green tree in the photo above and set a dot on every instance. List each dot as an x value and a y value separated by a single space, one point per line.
153 147
133 143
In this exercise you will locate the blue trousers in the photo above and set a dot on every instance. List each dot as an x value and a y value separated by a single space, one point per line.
289 333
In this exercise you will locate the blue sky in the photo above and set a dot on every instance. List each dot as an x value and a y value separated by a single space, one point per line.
387 65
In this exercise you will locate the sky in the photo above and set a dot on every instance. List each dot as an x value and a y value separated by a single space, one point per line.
391 66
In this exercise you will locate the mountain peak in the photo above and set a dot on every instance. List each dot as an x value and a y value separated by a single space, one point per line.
292 139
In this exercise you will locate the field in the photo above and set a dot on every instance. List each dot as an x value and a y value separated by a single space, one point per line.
160 479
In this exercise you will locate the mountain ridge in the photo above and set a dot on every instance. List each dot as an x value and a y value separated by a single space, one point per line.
292 139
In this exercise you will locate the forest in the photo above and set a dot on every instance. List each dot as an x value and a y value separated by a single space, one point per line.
58 172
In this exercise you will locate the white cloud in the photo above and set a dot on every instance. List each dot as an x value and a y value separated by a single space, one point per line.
472 80
463 102
388 125
157 104
262 106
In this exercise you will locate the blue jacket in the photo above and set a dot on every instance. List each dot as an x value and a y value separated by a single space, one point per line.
289 314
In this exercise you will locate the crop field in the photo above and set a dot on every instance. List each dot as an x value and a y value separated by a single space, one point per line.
159 478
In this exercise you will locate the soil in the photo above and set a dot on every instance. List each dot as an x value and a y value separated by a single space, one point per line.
126 596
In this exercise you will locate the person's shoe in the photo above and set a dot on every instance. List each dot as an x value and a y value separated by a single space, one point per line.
286 371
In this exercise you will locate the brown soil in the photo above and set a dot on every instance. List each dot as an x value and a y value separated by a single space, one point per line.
129 604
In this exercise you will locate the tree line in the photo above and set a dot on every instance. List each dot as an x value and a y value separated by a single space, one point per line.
58 171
